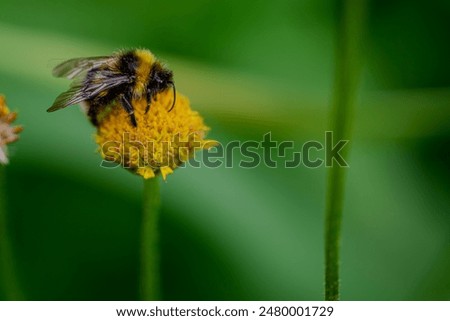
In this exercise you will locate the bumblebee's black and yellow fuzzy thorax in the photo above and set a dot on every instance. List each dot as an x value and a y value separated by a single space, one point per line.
124 76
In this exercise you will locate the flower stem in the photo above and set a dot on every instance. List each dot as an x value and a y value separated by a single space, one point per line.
150 278
7 269
349 34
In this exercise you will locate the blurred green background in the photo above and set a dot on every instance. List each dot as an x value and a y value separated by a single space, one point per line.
249 67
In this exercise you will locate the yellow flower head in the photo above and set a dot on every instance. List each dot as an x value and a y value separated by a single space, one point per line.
8 133
161 141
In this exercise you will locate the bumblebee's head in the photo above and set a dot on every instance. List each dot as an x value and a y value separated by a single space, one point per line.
161 78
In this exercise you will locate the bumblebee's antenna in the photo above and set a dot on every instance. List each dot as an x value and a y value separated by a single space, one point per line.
174 96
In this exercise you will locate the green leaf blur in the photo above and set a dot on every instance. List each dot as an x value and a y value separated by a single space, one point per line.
249 67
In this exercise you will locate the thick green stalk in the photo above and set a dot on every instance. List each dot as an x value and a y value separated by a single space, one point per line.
150 260
349 35
8 276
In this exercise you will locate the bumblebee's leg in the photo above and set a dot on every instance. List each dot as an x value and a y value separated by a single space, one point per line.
149 100
130 110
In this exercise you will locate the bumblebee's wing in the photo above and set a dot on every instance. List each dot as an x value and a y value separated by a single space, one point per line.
73 67
70 97
82 90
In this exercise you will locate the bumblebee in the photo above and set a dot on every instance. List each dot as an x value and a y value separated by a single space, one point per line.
124 76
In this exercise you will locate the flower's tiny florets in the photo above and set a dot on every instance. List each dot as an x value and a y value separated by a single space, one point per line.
8 133
161 141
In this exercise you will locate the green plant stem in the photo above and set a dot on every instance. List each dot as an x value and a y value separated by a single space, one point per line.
8 276
150 277
349 35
